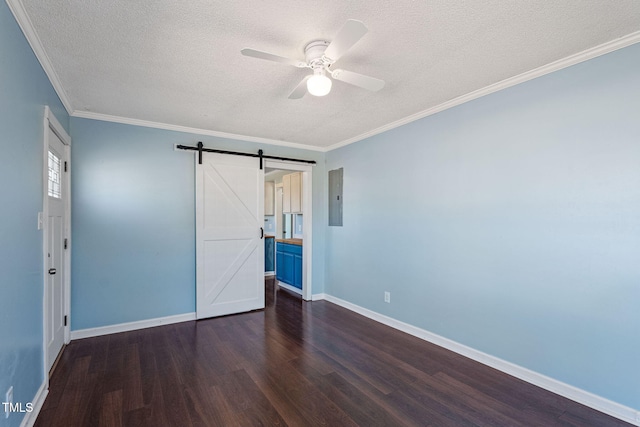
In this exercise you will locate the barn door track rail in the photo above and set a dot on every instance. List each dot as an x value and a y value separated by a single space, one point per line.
200 149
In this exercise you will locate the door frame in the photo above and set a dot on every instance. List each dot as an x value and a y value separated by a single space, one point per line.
50 122
307 219
278 212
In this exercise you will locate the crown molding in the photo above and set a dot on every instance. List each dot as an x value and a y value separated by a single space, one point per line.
27 28
197 131
24 22
574 59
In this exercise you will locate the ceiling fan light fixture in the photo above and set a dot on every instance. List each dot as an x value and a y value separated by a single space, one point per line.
319 84
320 55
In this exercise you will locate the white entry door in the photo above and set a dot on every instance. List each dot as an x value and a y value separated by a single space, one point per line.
55 262
229 245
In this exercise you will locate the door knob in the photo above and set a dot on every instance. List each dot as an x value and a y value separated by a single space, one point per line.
52 271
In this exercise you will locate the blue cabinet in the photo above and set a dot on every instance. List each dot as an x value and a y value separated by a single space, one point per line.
269 253
289 264
297 270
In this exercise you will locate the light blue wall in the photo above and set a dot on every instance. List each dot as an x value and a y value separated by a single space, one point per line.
511 222
24 91
511 225
133 221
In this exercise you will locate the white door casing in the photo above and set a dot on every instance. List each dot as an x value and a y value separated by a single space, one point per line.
56 219
307 218
229 245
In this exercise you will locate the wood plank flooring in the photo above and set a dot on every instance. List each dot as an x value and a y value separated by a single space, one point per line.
295 363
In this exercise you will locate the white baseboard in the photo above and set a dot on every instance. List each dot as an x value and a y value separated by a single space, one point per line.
269 273
131 326
29 418
290 288
318 297
586 398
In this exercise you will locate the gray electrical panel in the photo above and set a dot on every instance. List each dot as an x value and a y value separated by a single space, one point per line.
335 197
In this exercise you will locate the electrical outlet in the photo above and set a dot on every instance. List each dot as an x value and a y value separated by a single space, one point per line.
8 400
387 296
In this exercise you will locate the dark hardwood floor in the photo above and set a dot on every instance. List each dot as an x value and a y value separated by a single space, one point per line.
295 363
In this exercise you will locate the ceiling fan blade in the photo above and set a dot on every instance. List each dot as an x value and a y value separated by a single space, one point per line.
360 80
349 34
300 90
271 57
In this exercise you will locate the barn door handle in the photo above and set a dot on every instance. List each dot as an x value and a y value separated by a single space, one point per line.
52 271
261 233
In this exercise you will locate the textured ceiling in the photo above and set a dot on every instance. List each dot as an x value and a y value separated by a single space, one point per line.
179 63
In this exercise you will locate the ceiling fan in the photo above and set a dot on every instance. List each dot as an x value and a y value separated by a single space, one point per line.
320 55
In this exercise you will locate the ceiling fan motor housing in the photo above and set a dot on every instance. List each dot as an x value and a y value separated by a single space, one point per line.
314 54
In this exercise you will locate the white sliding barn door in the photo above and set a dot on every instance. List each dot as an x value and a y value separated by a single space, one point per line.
229 245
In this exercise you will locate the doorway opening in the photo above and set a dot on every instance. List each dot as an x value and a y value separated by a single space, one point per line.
290 225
